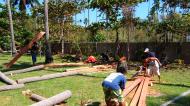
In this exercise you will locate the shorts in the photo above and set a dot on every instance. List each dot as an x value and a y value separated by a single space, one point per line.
111 94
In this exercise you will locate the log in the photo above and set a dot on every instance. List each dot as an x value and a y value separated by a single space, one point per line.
55 65
7 79
46 77
11 87
142 100
25 70
54 99
25 49
137 94
33 96
131 87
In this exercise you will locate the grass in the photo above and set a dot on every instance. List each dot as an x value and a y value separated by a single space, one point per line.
87 88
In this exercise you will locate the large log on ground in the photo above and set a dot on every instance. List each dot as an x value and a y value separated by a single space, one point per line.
7 79
63 64
10 87
25 70
46 77
25 49
131 87
137 94
54 99
142 100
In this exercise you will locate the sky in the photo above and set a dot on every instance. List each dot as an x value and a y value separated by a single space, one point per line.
141 11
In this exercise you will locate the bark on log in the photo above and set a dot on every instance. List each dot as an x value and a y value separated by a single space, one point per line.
10 87
25 49
142 100
131 87
6 79
46 77
54 99
25 70
137 94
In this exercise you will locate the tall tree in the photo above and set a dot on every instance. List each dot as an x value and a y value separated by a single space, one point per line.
13 48
48 55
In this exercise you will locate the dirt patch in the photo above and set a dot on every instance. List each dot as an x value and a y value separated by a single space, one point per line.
154 93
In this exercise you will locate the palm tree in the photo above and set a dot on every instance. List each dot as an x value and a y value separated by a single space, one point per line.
13 48
22 4
48 55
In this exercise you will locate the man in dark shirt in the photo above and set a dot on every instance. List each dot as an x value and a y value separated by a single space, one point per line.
34 52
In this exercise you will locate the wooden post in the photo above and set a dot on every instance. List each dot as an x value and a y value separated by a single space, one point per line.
10 87
54 99
7 79
46 77
25 49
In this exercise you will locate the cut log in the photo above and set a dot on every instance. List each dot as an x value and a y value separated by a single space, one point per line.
25 49
137 94
46 77
33 96
54 65
55 99
6 79
25 70
11 87
142 100
131 87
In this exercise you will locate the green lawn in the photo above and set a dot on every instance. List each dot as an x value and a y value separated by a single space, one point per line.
88 88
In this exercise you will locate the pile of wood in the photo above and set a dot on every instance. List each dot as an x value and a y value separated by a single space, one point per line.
11 83
139 98
57 100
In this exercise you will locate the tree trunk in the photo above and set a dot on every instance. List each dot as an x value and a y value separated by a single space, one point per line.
13 48
46 77
48 54
116 43
62 37
10 87
25 70
54 99
6 79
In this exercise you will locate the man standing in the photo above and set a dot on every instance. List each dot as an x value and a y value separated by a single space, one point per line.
34 52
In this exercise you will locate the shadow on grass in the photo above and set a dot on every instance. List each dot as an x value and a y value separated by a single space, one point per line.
21 65
85 75
168 84
185 101
94 104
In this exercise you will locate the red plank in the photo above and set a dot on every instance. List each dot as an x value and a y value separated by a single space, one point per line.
137 94
142 100
132 86
25 49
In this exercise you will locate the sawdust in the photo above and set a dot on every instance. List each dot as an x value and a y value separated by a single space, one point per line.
6 100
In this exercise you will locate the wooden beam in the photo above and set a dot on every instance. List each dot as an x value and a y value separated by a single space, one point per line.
131 87
11 87
25 49
54 99
46 77
55 65
137 94
25 70
6 79
142 100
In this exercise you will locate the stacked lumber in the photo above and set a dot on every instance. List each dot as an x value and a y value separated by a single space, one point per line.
139 98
